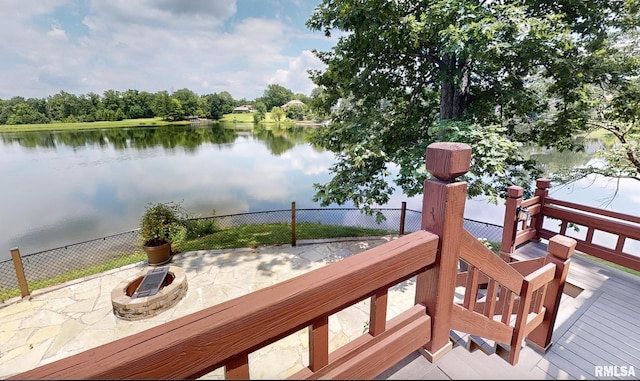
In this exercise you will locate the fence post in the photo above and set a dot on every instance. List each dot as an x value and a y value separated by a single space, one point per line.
403 213
293 223
510 225
559 251
542 190
17 263
442 214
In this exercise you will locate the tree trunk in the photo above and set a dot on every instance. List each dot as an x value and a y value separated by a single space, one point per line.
447 88
461 93
454 89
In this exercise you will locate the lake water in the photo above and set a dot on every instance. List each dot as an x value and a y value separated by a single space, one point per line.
65 187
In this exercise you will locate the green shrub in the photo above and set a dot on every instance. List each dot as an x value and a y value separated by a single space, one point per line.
196 228
161 223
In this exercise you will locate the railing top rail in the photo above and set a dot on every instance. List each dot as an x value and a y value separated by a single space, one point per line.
289 211
533 200
590 209
613 226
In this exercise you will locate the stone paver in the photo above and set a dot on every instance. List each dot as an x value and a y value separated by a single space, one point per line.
78 316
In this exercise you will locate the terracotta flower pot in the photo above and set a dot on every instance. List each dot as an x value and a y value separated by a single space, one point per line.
158 255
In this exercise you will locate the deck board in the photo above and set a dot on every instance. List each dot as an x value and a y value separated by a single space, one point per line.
633 342
599 351
597 327
624 325
568 362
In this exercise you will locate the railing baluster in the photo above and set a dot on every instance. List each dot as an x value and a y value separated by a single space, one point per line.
507 299
490 300
563 227
589 236
471 288
620 244
237 368
378 312
319 343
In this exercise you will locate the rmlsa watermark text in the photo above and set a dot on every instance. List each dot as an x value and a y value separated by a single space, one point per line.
615 371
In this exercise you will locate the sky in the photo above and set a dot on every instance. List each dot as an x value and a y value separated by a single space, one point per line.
207 46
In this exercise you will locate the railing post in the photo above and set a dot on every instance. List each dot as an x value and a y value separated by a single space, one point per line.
403 214
293 223
559 251
510 225
17 263
542 190
442 214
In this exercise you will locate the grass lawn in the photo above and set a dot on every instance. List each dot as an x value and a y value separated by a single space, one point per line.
274 234
247 117
90 125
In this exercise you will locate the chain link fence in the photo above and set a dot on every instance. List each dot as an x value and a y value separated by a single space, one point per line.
55 266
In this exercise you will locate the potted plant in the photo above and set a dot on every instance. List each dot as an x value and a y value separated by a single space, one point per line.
160 223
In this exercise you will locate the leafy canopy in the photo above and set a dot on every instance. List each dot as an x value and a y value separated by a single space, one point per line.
493 74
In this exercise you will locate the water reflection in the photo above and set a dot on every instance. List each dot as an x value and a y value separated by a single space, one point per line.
63 187
278 140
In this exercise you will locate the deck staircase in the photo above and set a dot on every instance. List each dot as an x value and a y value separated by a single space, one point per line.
502 303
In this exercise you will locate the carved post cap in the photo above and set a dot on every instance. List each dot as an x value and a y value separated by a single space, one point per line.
561 246
515 191
543 183
447 160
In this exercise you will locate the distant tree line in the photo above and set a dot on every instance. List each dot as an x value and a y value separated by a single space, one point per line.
114 105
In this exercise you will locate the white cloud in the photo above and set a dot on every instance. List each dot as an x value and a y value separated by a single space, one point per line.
153 45
174 14
296 75
57 33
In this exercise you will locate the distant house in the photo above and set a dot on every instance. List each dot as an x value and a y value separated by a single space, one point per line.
291 103
243 109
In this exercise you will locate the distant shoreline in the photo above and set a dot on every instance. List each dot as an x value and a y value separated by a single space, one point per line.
143 122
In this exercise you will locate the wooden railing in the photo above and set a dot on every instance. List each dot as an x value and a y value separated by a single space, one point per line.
225 334
621 227
523 293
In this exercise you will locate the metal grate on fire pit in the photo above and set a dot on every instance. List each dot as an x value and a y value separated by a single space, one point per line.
151 282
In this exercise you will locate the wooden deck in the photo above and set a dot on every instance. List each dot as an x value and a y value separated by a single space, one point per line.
596 335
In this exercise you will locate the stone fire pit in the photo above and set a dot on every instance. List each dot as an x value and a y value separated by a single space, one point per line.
172 290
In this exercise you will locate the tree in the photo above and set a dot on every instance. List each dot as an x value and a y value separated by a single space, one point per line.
189 100
218 104
23 113
276 95
63 105
618 113
296 111
137 104
302 98
90 103
162 105
260 113
277 113
112 100
495 75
